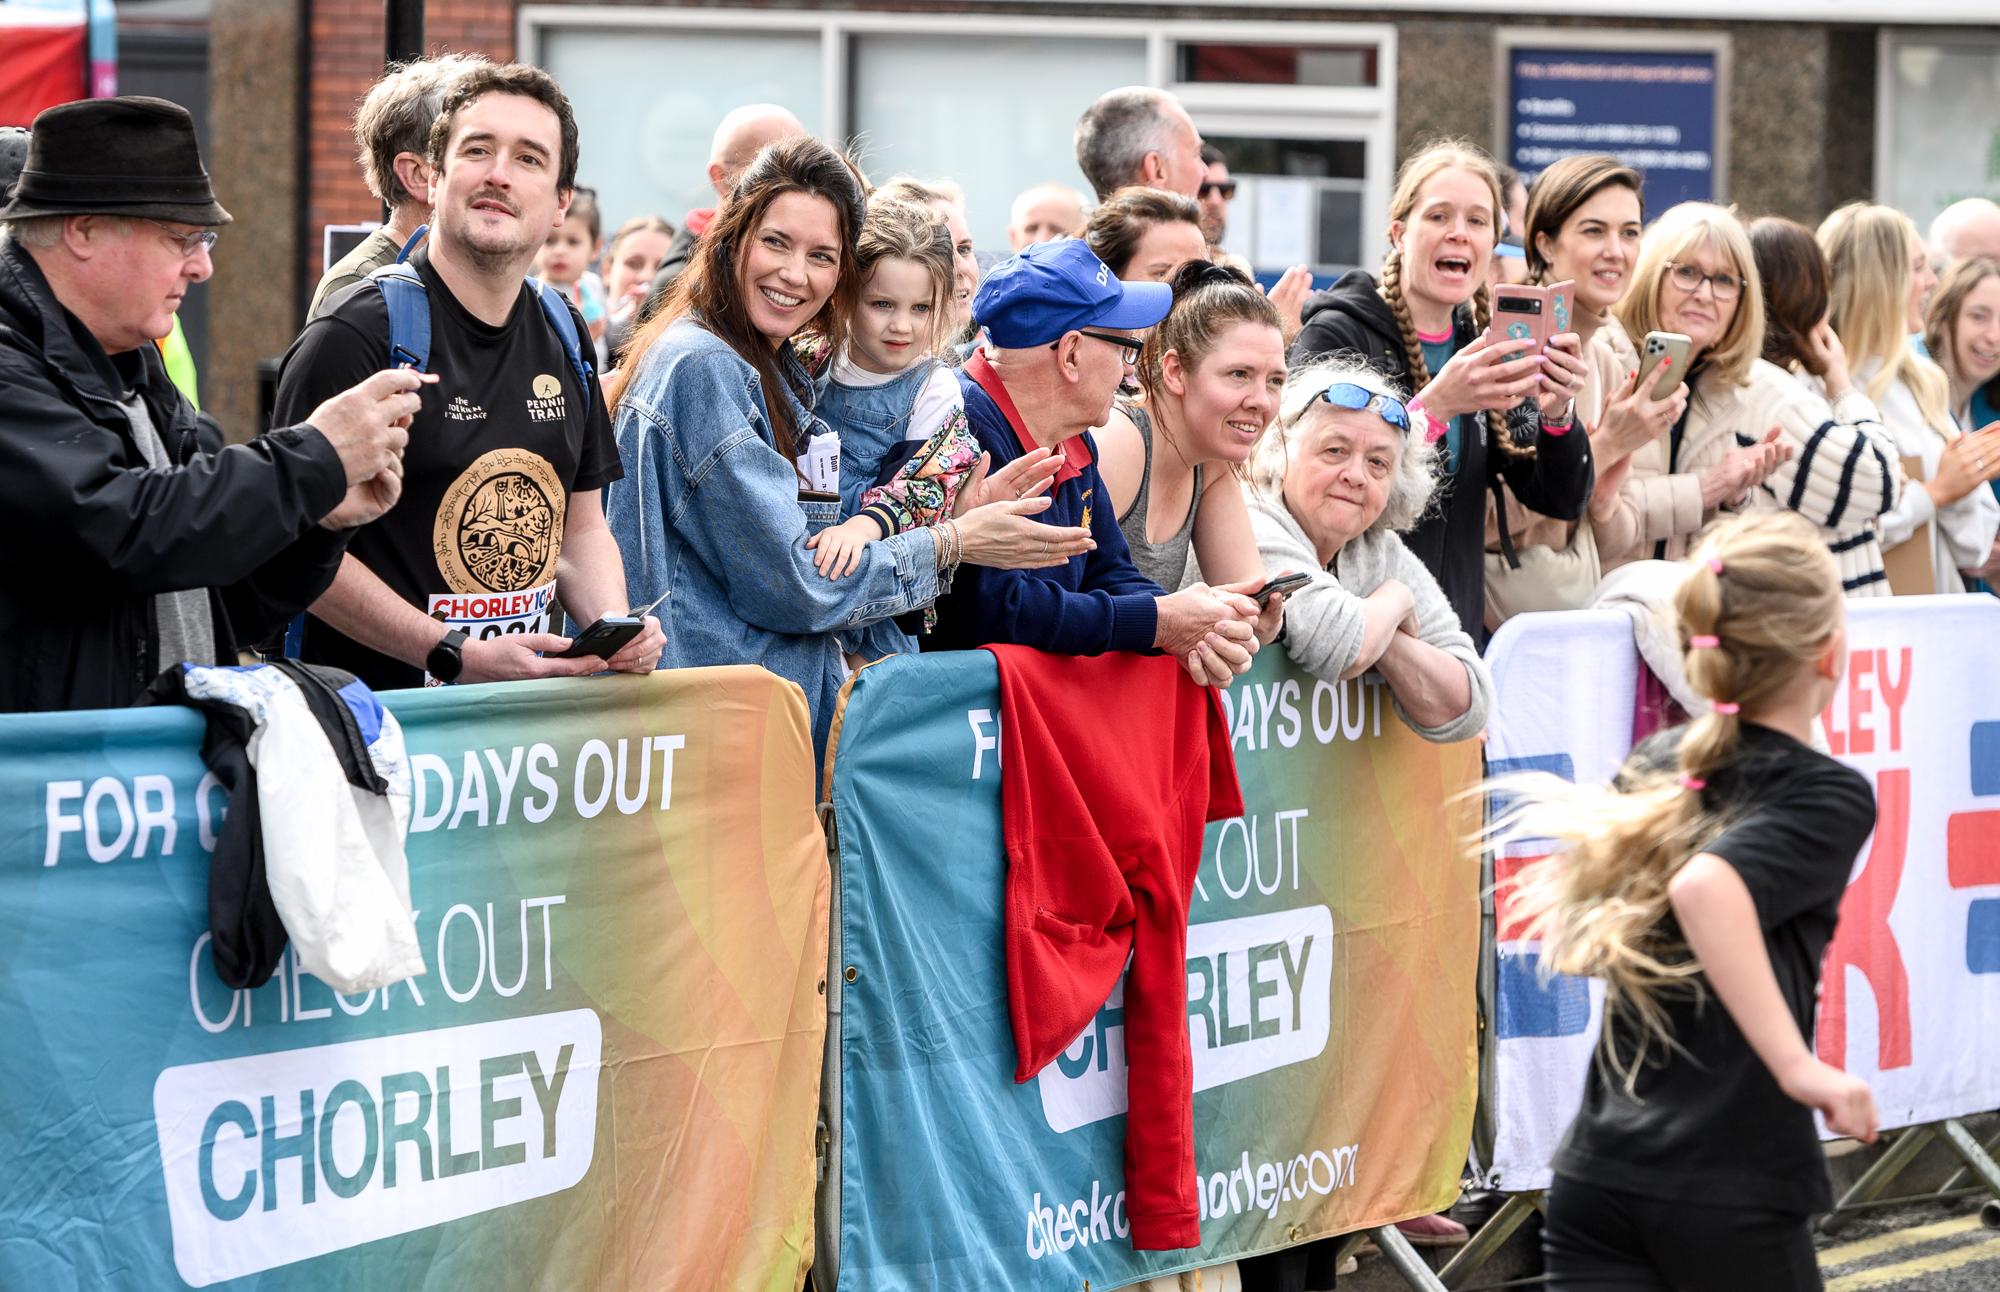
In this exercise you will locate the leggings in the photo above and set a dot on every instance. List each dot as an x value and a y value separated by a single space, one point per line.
1605 1240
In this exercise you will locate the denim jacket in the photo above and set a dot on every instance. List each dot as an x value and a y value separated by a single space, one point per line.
709 512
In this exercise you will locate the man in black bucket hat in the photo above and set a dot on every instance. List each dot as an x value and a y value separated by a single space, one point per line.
134 539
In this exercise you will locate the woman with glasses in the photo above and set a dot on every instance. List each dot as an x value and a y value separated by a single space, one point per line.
1744 419
1212 372
1347 469
1878 289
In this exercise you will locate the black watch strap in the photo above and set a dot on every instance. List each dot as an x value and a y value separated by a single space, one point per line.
447 659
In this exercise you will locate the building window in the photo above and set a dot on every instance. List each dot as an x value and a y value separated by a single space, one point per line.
997 114
1936 140
1239 64
647 102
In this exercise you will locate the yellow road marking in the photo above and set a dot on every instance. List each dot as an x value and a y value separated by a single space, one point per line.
1936 1263
1848 1253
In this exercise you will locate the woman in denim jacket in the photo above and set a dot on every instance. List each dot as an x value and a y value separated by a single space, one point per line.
715 507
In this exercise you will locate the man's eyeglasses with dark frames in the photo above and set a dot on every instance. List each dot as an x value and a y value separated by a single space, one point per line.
1130 345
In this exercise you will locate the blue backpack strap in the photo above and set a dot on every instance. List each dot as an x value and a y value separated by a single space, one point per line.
411 245
409 307
556 306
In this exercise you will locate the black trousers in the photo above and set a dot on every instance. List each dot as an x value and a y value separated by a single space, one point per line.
1605 1240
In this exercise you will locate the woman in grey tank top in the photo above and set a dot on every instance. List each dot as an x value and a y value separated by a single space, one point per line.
1212 373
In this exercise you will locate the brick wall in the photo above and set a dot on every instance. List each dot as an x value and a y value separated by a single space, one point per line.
345 59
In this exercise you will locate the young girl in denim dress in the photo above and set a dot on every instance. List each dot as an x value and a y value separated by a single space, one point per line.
905 447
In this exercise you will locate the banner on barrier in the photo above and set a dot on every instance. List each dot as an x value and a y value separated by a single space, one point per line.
605 1077
1917 953
1331 952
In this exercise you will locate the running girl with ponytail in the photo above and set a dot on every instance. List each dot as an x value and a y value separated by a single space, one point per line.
1423 326
1703 888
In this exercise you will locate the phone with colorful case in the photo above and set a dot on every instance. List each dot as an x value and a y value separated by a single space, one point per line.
1562 297
1520 321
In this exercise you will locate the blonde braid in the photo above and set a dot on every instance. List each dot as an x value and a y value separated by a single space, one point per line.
1496 418
1392 292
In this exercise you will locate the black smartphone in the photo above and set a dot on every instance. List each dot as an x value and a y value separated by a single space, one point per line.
1283 585
604 638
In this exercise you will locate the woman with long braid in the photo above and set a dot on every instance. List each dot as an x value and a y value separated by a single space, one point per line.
1422 324
1703 887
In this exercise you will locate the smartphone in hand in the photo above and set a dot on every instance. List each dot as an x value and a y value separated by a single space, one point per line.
1668 345
1283 585
604 638
1520 323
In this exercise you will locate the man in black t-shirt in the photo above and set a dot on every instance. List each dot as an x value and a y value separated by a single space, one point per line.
502 507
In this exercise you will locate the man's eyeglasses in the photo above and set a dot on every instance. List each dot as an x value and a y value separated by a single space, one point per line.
1130 345
190 243
1225 187
1345 394
1689 278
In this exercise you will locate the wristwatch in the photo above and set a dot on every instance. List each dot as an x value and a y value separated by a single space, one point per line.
447 659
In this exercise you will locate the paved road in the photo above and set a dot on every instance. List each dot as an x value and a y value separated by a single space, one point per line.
1926 1249
1931 1248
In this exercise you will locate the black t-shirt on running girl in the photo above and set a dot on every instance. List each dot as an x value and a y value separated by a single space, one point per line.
500 444
1707 1122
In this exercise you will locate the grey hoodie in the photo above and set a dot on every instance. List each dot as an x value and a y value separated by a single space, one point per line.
1323 620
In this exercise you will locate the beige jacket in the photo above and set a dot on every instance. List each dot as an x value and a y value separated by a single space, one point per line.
1844 473
1559 561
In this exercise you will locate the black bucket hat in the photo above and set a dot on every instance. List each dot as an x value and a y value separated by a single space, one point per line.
127 156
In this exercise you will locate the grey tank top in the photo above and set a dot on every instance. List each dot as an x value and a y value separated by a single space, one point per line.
1166 562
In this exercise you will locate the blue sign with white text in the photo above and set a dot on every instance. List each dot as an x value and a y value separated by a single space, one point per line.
1655 112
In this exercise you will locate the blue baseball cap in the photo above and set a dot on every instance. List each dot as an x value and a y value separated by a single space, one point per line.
1055 287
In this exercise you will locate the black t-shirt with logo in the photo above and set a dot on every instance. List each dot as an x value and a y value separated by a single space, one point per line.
1707 1122
500 444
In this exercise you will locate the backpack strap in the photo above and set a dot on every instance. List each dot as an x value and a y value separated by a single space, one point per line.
411 245
556 306
409 307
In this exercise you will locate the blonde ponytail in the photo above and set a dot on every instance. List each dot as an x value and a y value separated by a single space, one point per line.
1759 606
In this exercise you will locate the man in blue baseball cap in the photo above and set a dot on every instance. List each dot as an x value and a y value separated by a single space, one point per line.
1061 333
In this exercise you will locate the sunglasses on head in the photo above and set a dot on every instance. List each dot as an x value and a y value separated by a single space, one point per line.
1225 187
1345 394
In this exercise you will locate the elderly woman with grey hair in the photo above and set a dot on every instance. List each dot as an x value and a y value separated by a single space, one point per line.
1346 467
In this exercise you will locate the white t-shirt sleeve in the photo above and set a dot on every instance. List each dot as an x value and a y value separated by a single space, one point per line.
939 398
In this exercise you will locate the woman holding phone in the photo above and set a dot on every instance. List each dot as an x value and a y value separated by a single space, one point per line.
1875 253
1751 430
1583 225
1499 419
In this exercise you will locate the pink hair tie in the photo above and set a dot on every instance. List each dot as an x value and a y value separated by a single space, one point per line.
1729 707
1694 783
1704 641
1715 563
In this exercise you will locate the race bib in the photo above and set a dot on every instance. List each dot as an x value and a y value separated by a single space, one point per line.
486 615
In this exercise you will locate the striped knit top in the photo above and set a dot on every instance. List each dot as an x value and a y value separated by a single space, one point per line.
1844 472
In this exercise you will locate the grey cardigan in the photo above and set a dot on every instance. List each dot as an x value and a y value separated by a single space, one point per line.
1323 620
